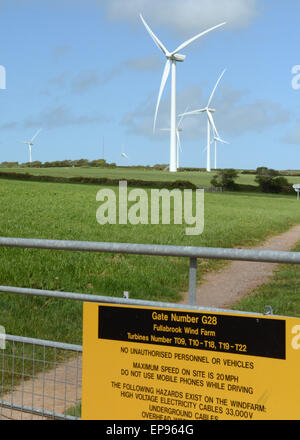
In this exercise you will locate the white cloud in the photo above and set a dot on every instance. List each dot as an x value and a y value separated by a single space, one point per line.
152 63
62 116
237 115
136 64
234 116
55 117
185 16
85 80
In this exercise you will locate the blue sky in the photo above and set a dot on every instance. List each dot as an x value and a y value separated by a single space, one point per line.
88 74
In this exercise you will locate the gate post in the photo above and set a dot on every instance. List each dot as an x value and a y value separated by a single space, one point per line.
192 281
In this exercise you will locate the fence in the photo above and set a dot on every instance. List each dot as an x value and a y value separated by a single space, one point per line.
42 379
39 379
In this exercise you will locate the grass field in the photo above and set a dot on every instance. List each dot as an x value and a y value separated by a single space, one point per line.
66 211
199 178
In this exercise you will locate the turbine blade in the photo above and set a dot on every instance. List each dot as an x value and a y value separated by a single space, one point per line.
186 43
181 118
36 134
214 89
178 140
161 89
154 37
212 123
194 112
221 140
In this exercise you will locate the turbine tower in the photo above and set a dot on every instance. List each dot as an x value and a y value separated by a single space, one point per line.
210 121
178 144
172 58
30 144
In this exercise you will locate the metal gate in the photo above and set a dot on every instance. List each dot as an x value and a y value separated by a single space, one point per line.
39 380
42 379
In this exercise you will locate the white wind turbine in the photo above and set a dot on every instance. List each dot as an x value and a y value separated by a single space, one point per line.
30 144
172 58
123 154
215 140
210 121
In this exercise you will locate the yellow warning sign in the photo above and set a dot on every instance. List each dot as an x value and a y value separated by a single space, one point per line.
143 363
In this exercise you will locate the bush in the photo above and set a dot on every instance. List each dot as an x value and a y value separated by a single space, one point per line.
264 171
9 164
270 181
225 179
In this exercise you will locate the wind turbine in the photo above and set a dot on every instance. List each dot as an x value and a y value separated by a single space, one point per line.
123 154
215 140
172 58
30 144
210 121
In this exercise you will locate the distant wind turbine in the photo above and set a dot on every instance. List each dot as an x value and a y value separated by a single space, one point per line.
210 121
30 144
123 154
172 58
215 140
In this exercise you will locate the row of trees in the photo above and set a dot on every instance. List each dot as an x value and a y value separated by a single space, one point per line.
268 180
60 163
101 163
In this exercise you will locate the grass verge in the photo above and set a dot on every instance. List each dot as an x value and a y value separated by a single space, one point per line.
282 292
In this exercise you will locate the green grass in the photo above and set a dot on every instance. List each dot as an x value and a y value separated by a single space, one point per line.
199 178
66 211
74 411
282 292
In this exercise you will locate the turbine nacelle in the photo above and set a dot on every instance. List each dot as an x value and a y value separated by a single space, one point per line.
206 109
176 57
